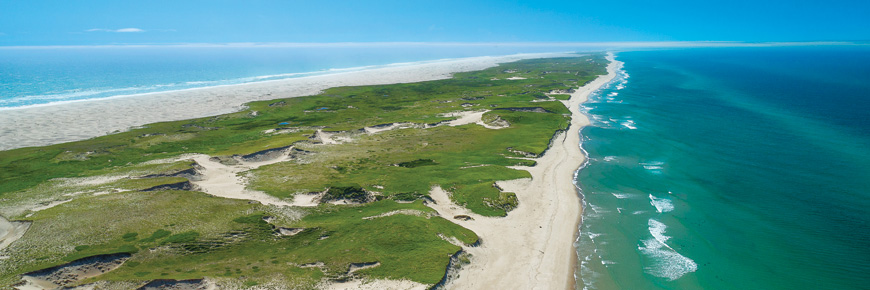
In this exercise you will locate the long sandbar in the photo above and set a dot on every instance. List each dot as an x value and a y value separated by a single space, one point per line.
52 124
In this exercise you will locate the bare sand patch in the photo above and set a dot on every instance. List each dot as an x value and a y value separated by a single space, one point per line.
11 231
388 127
379 284
226 181
474 117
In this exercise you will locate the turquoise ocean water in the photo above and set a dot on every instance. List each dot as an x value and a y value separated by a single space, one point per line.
729 168
44 75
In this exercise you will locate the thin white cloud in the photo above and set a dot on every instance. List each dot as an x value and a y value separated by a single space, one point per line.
122 30
129 30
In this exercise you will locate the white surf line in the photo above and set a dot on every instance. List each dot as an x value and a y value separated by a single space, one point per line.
532 247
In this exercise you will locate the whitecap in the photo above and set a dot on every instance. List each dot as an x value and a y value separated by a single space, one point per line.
661 204
597 209
622 195
653 166
666 262
609 158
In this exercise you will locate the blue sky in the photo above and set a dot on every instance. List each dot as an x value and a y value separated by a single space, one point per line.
90 22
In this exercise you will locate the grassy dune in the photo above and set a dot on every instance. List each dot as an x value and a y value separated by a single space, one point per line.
184 234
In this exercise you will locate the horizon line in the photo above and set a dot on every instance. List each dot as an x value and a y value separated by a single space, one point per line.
613 44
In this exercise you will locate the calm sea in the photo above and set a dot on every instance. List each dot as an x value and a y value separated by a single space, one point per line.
737 168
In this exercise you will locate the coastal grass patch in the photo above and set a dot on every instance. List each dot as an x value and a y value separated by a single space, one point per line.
19 204
92 225
189 235
407 246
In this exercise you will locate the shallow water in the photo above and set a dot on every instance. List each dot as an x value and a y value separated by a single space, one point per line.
729 169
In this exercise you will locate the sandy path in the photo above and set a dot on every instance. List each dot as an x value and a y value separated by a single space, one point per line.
531 248
38 126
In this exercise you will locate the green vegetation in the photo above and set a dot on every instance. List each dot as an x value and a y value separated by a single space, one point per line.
183 234
417 163
353 193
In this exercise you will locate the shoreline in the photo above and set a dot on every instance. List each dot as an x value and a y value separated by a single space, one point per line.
533 246
54 123
613 68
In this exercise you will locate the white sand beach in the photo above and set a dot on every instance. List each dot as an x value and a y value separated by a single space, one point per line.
533 246
52 124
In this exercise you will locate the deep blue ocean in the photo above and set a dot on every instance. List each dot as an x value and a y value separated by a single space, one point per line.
38 76
729 168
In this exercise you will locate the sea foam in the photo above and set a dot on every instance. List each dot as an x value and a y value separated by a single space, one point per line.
662 205
654 166
665 261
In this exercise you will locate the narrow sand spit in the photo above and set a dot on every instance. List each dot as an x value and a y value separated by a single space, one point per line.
531 248
38 126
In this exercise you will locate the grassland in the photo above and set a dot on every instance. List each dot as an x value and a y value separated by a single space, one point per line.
185 234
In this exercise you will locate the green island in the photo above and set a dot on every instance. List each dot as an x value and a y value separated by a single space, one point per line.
346 173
